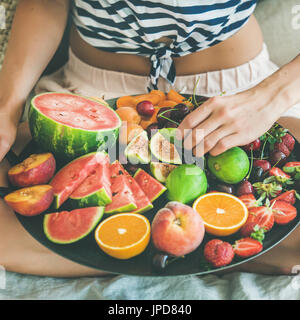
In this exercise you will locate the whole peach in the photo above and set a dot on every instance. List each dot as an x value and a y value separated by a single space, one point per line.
177 229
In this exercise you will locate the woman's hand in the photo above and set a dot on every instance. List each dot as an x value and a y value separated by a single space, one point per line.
10 114
224 122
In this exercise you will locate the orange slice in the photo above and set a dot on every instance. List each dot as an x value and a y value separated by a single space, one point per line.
123 235
223 214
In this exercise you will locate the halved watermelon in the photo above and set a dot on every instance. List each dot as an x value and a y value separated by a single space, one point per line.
122 197
70 125
70 177
151 187
141 200
70 226
95 189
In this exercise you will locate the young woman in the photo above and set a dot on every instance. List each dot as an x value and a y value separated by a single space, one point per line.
125 47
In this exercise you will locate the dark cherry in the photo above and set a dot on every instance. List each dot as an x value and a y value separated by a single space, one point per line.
179 112
257 174
254 145
265 165
152 129
245 187
278 158
145 108
163 115
227 188
160 261
170 124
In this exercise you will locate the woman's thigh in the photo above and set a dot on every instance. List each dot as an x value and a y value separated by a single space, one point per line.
19 251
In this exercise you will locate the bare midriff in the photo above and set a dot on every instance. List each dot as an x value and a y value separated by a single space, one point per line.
243 46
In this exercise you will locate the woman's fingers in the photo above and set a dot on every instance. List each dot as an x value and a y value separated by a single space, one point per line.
210 141
226 143
201 132
194 119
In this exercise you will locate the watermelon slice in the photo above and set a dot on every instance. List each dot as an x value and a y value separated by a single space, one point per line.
122 197
142 201
72 175
70 125
151 187
70 226
95 189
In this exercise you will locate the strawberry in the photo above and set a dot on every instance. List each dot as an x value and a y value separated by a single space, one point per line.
249 200
280 146
284 212
292 167
219 253
253 230
264 164
247 247
289 141
265 189
263 216
288 196
279 175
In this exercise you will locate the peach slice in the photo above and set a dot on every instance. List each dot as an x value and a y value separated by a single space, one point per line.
36 169
30 201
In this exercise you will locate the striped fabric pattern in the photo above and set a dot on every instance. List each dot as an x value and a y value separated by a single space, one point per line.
134 26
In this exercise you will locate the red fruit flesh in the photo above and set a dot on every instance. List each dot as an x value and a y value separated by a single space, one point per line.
36 169
263 216
284 212
247 247
249 200
70 177
280 146
30 201
145 109
276 172
288 196
289 141
218 253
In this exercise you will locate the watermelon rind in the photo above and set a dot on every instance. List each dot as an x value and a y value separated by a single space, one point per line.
64 141
127 208
98 198
98 215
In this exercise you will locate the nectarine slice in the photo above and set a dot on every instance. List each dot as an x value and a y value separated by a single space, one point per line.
36 169
30 201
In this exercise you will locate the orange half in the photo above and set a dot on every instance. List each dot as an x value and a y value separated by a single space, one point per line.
123 235
223 214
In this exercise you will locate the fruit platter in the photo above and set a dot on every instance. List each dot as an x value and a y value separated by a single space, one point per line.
105 184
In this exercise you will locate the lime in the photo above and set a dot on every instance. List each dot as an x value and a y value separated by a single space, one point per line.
186 183
231 166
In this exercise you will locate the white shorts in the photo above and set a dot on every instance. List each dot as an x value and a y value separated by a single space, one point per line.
78 77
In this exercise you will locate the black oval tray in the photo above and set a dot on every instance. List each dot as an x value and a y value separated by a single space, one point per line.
87 252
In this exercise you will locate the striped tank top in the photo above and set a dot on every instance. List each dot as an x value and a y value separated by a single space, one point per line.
137 26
